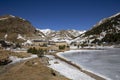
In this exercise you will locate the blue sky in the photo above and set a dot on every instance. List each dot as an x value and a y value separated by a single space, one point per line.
61 14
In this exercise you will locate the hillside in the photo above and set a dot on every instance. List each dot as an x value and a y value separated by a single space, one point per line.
106 31
61 35
32 69
14 28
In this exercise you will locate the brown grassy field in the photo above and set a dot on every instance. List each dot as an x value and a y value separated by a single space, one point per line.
4 54
30 70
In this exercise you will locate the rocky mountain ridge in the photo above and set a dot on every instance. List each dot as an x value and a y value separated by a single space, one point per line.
106 31
17 29
62 35
13 29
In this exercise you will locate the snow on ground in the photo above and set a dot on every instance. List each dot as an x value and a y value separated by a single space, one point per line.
3 18
67 70
5 36
73 47
19 50
27 42
20 37
56 39
46 31
86 61
22 19
16 59
12 16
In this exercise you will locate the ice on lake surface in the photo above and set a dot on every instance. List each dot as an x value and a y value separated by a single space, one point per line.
103 62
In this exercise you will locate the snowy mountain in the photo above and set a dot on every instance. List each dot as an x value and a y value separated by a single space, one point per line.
106 31
62 35
46 31
65 35
13 28
76 33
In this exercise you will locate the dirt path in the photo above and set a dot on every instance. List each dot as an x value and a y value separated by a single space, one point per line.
31 69
20 66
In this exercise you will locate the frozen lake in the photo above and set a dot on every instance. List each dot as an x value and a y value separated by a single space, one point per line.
102 62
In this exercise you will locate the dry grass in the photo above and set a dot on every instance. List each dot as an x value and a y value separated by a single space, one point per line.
30 70
20 55
6 54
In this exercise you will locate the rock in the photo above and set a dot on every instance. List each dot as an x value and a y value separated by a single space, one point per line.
5 61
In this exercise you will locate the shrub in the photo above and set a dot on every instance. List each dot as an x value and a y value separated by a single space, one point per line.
62 47
83 45
32 50
39 52
18 45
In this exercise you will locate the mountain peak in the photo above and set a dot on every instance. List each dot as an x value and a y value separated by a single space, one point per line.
107 30
7 16
46 31
13 26
106 19
115 15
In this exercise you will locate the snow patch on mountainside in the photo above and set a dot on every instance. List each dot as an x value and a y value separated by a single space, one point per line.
100 22
46 31
12 16
20 37
5 36
115 15
103 20
76 32
28 42
3 18
62 35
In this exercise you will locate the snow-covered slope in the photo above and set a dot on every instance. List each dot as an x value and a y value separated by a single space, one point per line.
46 31
106 30
14 28
106 19
62 35
66 35
76 33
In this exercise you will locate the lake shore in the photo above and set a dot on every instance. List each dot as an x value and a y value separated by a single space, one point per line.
95 76
26 66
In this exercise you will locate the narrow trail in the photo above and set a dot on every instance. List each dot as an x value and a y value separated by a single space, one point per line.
20 66
7 68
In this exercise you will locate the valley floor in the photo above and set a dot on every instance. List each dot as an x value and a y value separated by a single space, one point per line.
32 69
35 69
